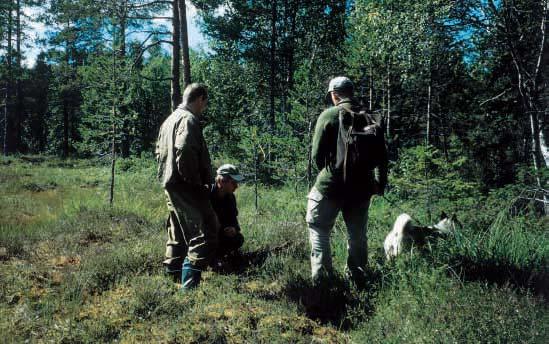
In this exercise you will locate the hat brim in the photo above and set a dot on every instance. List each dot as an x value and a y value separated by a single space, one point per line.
237 177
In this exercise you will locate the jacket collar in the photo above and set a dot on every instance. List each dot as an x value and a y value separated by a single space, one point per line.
185 108
346 103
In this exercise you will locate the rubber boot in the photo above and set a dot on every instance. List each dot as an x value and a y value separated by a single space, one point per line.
190 275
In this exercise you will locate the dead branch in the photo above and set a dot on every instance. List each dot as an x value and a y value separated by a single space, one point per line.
152 3
147 48
154 80
150 18
495 97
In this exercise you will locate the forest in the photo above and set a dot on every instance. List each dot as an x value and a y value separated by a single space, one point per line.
466 79
462 88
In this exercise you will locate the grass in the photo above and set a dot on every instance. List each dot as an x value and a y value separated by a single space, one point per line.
73 269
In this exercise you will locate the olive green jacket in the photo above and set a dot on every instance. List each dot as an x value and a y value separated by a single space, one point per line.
181 152
329 181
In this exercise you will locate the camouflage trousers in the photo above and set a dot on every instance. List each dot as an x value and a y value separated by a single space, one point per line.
321 217
192 228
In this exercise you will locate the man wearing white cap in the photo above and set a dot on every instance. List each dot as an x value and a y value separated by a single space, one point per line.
340 188
223 202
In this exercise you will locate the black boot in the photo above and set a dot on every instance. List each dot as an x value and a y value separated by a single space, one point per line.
358 277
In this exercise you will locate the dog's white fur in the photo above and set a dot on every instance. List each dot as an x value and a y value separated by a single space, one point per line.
445 226
395 240
400 237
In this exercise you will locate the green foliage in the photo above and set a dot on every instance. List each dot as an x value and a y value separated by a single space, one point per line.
407 58
423 171
422 305
513 242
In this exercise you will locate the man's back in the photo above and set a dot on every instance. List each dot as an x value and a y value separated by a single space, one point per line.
329 181
181 151
165 151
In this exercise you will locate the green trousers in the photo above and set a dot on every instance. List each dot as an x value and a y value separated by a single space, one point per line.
192 229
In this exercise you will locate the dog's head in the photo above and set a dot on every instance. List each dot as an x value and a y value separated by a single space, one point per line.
447 224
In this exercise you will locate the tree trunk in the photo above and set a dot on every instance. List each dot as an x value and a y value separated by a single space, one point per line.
125 143
428 133
176 56
66 119
113 120
309 152
388 104
536 143
544 149
65 147
5 137
371 90
291 11
256 173
184 43
529 96
18 116
272 119
113 154
8 120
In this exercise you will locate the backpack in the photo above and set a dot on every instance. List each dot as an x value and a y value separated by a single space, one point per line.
360 146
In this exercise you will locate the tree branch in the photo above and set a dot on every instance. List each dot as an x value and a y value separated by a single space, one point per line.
152 79
152 3
542 45
147 48
495 97
154 32
145 40
151 18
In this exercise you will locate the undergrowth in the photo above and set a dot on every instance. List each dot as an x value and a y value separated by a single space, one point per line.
74 269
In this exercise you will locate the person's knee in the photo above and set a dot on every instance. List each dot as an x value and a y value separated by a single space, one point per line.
319 236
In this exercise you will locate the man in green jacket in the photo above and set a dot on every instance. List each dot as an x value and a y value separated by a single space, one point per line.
330 194
185 172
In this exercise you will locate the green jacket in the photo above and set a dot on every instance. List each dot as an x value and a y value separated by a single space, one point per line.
329 181
181 152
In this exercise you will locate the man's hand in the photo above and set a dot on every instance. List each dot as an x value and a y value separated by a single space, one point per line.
229 231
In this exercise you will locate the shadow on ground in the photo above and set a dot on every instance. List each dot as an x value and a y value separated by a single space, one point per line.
241 262
504 275
336 302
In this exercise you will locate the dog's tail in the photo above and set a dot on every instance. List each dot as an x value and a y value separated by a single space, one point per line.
394 240
403 223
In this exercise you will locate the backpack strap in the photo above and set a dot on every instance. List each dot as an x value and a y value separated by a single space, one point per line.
347 136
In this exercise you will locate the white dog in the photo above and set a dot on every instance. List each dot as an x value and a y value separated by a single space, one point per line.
405 233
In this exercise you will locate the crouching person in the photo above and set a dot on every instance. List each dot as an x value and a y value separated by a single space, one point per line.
223 201
185 172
